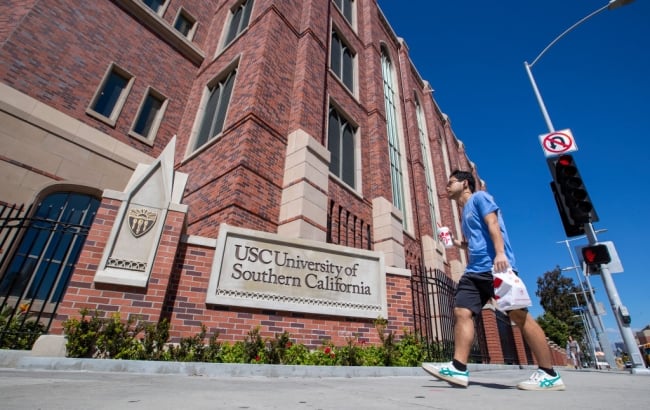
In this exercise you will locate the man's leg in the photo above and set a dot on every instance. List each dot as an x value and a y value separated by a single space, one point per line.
467 299
544 378
456 372
463 334
534 336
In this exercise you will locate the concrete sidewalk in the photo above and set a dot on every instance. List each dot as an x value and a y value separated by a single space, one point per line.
28 382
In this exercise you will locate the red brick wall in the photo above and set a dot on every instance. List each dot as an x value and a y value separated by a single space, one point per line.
177 291
492 336
11 15
60 58
494 342
186 302
520 346
146 303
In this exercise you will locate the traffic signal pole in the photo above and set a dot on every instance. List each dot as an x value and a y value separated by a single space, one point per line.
592 308
540 101
620 311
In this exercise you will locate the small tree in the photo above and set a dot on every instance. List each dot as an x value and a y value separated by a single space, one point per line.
555 329
555 292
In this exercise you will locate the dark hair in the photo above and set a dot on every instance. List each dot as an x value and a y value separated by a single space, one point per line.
465 176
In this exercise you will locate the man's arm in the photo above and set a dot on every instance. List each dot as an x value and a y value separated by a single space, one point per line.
500 260
460 244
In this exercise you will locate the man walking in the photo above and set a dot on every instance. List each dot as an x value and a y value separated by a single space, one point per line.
573 352
488 248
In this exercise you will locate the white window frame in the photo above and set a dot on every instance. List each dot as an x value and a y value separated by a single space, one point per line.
161 11
192 149
153 130
425 147
396 145
344 45
231 15
356 155
353 12
119 104
187 16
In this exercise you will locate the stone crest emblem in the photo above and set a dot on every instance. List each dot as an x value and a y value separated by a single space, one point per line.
141 220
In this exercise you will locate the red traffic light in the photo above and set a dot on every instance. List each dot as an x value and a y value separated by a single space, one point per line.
596 254
565 160
573 200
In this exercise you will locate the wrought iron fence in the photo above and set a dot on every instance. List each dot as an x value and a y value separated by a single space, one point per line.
37 255
433 310
507 337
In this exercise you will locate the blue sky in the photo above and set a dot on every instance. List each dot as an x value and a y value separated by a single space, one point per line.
595 81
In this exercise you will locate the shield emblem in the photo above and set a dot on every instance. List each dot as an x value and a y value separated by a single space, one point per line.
141 220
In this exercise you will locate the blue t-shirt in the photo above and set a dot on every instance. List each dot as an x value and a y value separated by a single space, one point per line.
480 246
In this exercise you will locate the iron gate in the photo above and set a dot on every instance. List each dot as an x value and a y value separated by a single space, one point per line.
433 310
507 337
38 252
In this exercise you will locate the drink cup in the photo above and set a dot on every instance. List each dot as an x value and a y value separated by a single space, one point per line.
445 237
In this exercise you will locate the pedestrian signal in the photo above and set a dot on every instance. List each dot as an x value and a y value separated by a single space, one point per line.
596 254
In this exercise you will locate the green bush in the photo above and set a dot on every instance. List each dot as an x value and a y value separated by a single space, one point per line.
92 336
18 331
82 335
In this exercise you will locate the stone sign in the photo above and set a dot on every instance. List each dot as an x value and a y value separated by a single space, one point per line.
262 270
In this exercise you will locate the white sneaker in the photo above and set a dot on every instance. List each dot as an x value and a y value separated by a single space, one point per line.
448 373
540 380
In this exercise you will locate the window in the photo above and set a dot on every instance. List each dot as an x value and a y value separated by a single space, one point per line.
395 154
342 61
149 115
241 14
216 106
155 5
185 24
48 251
340 143
346 7
111 95
426 160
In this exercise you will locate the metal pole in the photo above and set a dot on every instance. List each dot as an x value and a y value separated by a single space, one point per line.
590 337
605 345
542 106
626 332
599 327
638 366
540 101
585 326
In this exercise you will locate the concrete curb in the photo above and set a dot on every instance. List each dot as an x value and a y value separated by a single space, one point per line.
23 360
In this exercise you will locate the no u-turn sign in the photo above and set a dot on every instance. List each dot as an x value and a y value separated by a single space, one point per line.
558 143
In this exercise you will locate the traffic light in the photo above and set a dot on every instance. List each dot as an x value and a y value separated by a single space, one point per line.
569 229
571 195
596 254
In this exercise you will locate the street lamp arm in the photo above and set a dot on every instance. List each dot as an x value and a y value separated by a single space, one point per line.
567 31
540 100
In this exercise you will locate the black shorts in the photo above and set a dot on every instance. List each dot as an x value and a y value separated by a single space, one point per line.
474 291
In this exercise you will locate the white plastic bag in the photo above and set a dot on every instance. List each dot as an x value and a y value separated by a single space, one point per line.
510 292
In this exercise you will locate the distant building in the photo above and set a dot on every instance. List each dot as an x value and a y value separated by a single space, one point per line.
643 336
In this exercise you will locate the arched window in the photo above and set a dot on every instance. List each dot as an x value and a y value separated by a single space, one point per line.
394 147
427 162
40 268
340 142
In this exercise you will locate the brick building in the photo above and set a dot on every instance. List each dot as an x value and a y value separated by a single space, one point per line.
233 163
